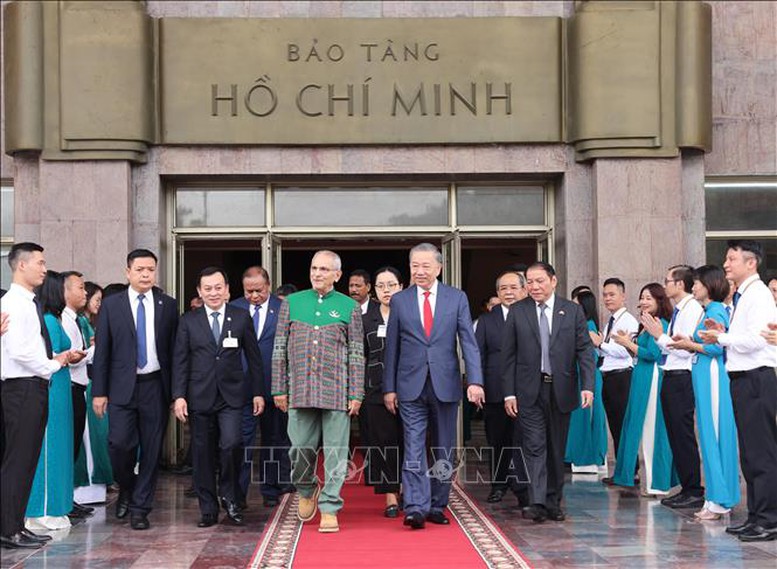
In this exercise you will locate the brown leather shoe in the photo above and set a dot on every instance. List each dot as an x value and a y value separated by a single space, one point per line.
306 510
328 523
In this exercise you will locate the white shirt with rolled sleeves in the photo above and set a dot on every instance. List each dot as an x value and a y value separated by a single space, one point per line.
73 330
685 323
746 349
615 355
23 347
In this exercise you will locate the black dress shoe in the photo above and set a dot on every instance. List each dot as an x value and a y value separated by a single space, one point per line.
19 541
738 529
35 537
523 498
496 495
81 508
233 513
556 514
536 513
139 521
438 518
686 502
122 505
415 520
270 501
208 520
758 533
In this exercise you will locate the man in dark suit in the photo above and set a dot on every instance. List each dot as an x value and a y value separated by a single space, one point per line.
546 338
502 431
209 381
131 378
274 468
422 373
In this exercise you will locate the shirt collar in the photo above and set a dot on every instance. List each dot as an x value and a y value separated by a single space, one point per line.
209 311
680 305
133 294
550 303
21 290
618 312
432 290
254 307
70 313
325 296
505 310
746 282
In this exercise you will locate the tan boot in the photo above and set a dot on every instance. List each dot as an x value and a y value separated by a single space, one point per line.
328 523
306 510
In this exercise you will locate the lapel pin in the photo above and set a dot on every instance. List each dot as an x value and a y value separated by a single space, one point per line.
160 303
561 313
229 319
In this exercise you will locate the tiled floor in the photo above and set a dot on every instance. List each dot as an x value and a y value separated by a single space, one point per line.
605 527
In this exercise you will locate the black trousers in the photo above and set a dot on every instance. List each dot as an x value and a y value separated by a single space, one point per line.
754 394
545 430
79 416
679 406
226 422
141 423
615 397
499 436
383 448
25 403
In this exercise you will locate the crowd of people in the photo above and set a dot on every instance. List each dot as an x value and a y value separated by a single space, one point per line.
90 377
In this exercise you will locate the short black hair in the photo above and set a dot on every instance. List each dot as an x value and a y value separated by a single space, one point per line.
208 271
587 301
51 294
683 273
286 289
19 249
361 273
547 267
67 274
714 280
749 246
140 254
388 269
114 288
578 289
91 288
615 281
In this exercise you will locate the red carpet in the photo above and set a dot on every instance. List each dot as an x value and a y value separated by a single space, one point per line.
368 539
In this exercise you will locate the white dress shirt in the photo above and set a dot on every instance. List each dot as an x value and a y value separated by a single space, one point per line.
152 359
222 316
262 308
746 349
73 330
505 310
615 355
685 323
23 347
432 299
365 305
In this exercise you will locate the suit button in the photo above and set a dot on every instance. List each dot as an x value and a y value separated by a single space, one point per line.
217 357
318 314
315 327
315 342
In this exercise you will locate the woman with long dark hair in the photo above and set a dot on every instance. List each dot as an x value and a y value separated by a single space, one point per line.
587 440
643 424
51 498
714 409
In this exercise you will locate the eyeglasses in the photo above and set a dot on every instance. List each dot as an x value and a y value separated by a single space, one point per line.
386 286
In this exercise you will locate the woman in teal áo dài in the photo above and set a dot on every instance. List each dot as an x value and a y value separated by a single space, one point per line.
587 440
51 498
714 409
644 420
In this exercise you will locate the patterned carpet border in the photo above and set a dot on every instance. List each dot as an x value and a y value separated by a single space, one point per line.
279 542
495 549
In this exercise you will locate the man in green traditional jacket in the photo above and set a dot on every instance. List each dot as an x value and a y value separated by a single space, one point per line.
318 377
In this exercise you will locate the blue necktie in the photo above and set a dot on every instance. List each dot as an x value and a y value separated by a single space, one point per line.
216 329
256 320
141 333
675 312
737 296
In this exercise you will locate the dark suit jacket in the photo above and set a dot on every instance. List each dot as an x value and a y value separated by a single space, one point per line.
570 346
201 369
410 355
266 340
115 357
489 335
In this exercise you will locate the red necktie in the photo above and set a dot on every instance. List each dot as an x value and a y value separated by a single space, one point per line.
428 317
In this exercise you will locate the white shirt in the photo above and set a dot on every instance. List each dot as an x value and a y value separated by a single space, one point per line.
505 310
152 359
23 348
73 330
432 299
549 304
222 313
615 355
262 308
746 349
685 323
366 304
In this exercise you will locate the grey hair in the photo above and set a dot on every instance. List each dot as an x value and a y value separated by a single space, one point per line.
338 263
427 248
521 278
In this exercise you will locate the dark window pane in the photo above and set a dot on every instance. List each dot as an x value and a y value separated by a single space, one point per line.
495 205
738 208
215 207
716 254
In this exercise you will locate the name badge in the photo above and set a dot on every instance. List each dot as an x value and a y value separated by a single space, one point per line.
229 341
382 331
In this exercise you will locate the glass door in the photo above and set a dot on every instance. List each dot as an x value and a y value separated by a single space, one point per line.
451 259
